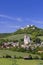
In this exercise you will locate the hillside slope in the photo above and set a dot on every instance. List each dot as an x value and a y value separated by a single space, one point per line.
30 30
19 34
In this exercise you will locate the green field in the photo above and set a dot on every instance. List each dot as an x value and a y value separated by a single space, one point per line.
11 53
41 37
14 53
29 62
11 61
19 36
15 37
4 61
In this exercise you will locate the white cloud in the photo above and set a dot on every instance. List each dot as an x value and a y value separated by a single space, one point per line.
20 19
34 21
11 18
16 26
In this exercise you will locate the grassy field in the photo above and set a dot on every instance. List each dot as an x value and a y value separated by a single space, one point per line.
10 61
29 62
19 36
14 53
41 37
16 37
4 61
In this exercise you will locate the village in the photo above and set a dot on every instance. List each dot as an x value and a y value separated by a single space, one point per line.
27 44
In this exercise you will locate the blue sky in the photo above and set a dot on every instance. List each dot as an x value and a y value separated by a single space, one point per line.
15 14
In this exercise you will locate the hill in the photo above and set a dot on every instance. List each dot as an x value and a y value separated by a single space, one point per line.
2 35
31 30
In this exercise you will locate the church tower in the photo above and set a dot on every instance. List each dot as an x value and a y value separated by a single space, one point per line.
26 39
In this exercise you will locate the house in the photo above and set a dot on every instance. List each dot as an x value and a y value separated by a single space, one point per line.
23 46
42 43
38 44
6 45
15 44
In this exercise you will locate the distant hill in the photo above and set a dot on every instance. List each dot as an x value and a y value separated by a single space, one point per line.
2 35
31 30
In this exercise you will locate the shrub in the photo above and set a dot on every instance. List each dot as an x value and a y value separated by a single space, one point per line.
30 57
8 56
20 57
41 55
36 57
15 57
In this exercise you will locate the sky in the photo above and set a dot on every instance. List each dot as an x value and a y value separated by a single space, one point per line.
15 14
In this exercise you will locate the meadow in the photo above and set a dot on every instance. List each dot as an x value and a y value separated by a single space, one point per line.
19 37
13 61
12 53
4 61
15 53
41 37
16 37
